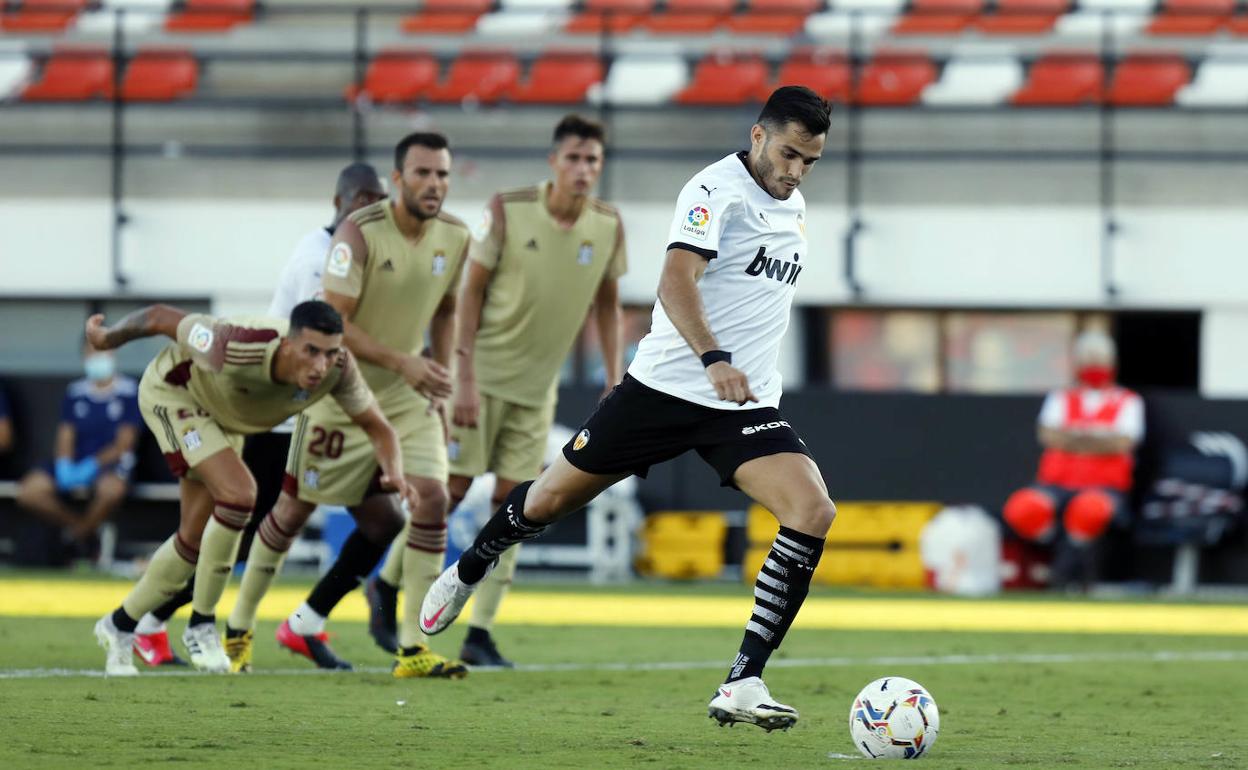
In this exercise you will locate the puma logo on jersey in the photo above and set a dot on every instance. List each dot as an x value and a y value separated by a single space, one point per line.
750 430
776 269
709 190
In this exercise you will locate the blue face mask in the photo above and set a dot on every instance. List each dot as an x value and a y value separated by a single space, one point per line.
99 366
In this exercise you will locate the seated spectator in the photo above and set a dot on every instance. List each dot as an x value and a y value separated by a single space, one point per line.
1089 433
94 451
6 426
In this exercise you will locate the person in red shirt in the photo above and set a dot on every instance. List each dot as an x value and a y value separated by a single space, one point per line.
1089 432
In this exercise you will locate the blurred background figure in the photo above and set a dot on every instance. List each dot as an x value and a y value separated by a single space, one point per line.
94 453
1089 432
6 425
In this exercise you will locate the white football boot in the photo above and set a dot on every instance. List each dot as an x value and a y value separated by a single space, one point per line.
747 700
445 599
203 645
117 644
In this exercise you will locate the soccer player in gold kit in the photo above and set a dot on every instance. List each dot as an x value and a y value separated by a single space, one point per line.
220 380
392 271
542 258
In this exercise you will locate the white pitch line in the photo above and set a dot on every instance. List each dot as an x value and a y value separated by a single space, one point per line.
1215 656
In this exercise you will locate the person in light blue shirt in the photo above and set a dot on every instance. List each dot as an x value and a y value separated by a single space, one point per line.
94 450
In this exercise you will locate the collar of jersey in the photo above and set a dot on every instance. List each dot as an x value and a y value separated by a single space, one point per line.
743 155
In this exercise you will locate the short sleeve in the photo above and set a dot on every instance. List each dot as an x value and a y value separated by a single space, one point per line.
204 339
618 265
486 246
1053 413
701 210
344 267
351 391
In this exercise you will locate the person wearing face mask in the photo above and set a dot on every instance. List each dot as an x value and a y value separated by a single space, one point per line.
94 451
1089 432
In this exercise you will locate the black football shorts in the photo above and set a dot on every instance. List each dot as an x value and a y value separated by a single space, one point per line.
636 426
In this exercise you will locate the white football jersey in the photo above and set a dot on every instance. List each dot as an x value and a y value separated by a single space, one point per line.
301 277
756 248
300 281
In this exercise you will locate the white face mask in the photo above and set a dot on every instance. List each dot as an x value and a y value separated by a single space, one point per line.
99 367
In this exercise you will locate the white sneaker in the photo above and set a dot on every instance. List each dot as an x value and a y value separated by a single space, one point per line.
203 645
117 644
747 700
445 599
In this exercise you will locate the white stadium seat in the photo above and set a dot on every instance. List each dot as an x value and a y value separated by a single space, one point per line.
1217 84
978 81
641 80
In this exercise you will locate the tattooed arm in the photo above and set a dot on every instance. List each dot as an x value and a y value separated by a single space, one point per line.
150 321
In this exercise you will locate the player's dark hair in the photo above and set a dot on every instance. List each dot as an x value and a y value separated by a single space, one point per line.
317 316
581 127
431 140
354 178
796 104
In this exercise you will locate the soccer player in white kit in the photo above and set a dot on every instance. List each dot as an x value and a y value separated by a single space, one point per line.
705 378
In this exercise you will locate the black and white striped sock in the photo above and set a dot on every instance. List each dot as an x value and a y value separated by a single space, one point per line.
779 591
507 527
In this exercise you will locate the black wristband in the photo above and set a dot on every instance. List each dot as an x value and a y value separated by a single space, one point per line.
715 356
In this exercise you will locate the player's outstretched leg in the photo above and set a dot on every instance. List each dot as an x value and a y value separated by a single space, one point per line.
790 486
524 515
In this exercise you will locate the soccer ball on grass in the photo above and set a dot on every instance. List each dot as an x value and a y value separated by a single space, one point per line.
894 718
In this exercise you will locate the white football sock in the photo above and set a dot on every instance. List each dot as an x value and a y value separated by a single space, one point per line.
306 621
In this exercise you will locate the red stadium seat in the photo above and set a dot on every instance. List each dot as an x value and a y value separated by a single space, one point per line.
892 79
725 79
1191 17
691 16
773 17
1063 79
1148 80
73 75
826 73
1238 24
440 17
397 75
160 76
559 78
210 15
616 16
42 16
937 17
1022 17
485 77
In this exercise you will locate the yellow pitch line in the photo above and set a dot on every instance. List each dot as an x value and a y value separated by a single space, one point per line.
35 598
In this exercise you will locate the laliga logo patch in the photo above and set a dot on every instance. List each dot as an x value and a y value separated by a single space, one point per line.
439 263
586 254
696 222
200 338
482 230
339 263
191 440
311 478
582 439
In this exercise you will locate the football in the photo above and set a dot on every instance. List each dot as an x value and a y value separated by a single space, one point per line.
894 718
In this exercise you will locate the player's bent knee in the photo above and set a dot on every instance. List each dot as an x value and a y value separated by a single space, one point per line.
432 508
1030 513
1088 515
290 513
